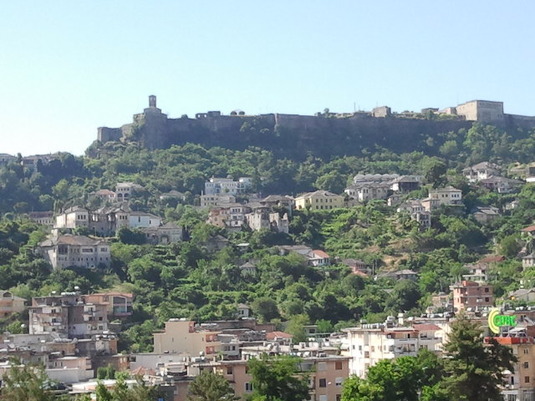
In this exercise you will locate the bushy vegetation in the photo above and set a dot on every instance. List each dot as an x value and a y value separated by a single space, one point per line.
187 279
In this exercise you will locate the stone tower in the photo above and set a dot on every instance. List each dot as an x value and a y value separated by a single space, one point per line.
152 101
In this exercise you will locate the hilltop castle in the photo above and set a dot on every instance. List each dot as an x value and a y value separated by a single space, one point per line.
153 129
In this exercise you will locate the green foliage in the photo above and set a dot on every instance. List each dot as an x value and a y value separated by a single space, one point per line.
26 383
401 379
278 379
209 386
474 370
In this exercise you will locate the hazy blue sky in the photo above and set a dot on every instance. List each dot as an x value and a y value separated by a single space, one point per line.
68 67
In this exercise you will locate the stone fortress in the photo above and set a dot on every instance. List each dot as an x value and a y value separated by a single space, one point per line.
153 129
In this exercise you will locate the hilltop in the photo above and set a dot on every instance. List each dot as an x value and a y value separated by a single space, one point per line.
324 135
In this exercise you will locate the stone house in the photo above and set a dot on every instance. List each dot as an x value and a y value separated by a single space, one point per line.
75 250
10 304
481 171
485 214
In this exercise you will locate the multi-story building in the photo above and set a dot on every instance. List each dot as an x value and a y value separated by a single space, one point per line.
443 196
118 304
417 212
472 296
319 200
262 218
371 343
227 186
519 385
217 200
182 337
75 250
125 190
44 218
73 217
481 171
68 314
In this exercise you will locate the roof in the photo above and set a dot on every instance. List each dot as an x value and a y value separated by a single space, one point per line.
484 165
69 239
319 193
528 229
426 327
277 334
105 192
320 254
492 259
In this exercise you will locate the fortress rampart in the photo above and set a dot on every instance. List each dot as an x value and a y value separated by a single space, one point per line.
326 133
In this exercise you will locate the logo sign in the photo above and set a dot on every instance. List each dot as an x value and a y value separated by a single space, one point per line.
496 321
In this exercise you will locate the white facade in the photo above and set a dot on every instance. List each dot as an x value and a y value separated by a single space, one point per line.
143 220
227 186
73 218
446 196
372 343
75 250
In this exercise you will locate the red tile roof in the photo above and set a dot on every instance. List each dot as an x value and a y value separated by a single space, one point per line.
492 259
277 334
529 229
426 327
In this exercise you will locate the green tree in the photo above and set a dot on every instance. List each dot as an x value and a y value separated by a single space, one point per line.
278 379
473 369
25 383
209 386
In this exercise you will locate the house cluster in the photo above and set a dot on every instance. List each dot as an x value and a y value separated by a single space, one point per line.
271 213
64 249
366 187
68 333
72 335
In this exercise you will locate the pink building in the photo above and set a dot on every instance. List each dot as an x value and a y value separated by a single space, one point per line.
471 296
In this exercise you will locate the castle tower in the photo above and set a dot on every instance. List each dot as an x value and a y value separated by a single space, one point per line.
152 101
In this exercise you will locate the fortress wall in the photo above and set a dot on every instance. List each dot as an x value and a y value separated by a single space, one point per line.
105 134
516 121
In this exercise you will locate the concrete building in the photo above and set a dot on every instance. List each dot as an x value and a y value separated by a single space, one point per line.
182 337
472 296
371 343
319 200
68 314
118 304
216 200
227 186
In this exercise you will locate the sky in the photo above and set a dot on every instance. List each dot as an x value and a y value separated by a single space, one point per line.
68 67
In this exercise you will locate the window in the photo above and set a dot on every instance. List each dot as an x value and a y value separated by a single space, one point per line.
338 381
526 351
338 365
322 366
229 370
323 382
526 365
526 379
248 387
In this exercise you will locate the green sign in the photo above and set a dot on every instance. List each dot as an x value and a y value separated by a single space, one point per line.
496 321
